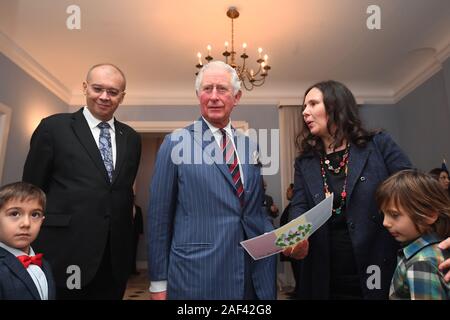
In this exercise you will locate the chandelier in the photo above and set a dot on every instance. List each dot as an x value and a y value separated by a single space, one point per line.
249 78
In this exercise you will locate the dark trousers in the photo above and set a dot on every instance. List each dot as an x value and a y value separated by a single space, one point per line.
135 247
104 286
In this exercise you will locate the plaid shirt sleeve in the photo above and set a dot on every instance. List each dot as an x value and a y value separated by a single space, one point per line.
424 281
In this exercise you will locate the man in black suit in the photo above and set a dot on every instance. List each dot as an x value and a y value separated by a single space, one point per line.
86 163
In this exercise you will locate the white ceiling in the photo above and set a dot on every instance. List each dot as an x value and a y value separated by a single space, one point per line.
156 41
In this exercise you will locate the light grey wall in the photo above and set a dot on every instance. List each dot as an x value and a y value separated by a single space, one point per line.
424 122
29 101
420 122
446 73
386 117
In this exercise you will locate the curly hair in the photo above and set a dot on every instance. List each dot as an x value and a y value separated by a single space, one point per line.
342 111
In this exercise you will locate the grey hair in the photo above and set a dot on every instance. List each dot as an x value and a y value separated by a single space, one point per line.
235 82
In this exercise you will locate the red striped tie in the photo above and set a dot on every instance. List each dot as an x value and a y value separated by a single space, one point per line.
230 158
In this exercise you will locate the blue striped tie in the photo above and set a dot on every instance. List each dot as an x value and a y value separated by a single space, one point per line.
106 148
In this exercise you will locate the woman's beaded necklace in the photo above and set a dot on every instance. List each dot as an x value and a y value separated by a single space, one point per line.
343 165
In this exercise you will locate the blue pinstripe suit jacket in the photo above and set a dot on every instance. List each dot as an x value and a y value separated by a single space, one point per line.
195 222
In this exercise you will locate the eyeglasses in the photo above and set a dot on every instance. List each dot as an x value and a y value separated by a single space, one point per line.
113 93
220 89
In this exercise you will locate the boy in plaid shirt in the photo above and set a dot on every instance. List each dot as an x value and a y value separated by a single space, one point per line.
417 214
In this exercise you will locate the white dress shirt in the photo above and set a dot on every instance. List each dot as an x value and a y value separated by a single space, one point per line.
93 125
35 272
218 136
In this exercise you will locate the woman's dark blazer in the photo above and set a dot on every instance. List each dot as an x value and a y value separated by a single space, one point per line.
374 248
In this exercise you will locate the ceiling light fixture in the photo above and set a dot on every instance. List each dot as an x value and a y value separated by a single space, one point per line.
249 78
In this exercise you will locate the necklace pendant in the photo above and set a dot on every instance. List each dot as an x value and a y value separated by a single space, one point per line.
327 161
338 211
337 170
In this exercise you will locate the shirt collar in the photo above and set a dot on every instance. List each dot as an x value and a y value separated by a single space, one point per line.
16 252
420 243
93 121
213 129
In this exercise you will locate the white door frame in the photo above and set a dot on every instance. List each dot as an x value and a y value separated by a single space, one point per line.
5 123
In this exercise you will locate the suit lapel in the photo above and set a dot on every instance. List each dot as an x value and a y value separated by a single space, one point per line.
17 268
84 134
356 162
50 281
199 138
311 171
121 147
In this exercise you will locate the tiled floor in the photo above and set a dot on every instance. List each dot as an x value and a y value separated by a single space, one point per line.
137 288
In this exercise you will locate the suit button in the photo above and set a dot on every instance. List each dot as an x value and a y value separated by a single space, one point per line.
351 225
362 179
316 195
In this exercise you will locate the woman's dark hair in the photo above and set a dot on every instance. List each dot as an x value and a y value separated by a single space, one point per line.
436 172
342 111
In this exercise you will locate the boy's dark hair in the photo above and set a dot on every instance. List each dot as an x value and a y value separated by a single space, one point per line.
21 191
420 195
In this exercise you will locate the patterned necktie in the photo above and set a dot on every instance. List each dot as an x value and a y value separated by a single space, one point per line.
27 260
106 148
230 158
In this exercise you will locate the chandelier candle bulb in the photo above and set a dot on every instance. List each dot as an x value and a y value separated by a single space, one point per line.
199 55
260 52
244 46
266 57
208 47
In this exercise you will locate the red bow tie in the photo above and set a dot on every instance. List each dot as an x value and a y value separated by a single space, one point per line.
27 260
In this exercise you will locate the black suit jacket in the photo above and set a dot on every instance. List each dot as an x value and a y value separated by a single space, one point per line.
15 281
83 206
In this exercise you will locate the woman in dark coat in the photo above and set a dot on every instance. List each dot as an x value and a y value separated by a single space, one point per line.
351 256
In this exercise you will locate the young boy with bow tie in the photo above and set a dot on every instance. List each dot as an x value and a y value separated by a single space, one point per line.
24 275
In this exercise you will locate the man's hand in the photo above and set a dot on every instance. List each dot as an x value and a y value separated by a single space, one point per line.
299 251
446 264
158 295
